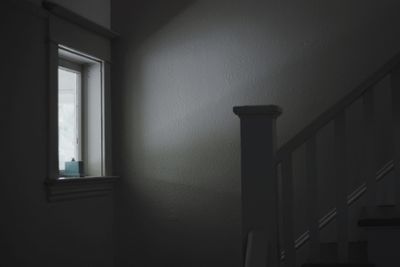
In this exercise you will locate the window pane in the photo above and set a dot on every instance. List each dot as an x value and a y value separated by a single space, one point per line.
68 132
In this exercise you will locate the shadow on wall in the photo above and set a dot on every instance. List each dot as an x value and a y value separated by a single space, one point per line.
149 16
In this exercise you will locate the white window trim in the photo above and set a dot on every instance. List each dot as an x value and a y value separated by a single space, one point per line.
66 32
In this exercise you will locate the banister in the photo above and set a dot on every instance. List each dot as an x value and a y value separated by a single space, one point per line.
351 199
259 181
259 160
342 104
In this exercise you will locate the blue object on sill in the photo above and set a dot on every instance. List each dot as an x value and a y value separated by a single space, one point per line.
73 168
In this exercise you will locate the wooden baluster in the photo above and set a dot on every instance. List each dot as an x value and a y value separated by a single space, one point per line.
288 217
369 167
312 199
341 186
395 86
259 178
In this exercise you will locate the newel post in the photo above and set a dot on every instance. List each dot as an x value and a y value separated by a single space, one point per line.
259 184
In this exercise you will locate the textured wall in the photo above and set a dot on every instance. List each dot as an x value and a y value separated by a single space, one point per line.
180 66
33 231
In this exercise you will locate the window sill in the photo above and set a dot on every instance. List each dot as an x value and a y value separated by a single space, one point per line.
70 188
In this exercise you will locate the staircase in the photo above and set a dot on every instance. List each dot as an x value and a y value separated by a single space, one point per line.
268 221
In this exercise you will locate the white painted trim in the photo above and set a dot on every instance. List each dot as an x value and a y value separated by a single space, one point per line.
65 189
327 116
353 197
72 36
83 22
52 156
77 187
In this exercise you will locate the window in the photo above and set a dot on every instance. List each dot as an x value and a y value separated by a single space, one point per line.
79 101
80 114
69 113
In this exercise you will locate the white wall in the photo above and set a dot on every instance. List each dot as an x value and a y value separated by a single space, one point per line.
181 66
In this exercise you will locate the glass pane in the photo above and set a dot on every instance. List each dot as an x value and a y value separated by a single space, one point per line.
68 132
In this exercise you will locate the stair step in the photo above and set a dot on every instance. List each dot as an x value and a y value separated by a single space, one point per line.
380 216
357 252
338 265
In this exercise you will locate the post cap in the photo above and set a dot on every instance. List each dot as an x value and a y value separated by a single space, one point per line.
269 110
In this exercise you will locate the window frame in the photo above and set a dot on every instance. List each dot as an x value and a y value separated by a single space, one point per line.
68 30
93 83
90 66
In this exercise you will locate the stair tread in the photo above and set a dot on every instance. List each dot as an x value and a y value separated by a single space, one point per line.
355 243
380 216
338 265
357 252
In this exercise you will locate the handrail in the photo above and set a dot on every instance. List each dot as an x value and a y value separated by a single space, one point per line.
351 199
342 104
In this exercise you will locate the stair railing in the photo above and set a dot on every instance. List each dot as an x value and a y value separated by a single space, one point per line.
260 160
259 195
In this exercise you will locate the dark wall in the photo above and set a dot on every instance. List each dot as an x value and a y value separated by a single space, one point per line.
180 67
34 232
98 11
